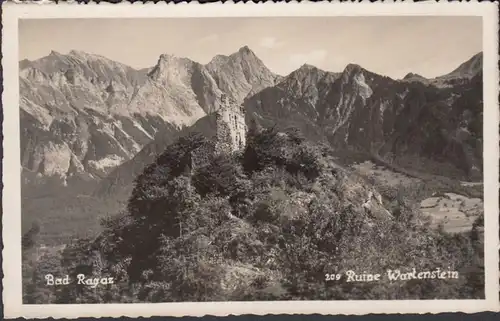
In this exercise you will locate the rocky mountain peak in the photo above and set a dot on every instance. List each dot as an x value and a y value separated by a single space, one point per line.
241 73
350 72
245 50
168 66
412 75
243 54
166 57
54 53
305 74
307 67
352 68
246 54
470 68
24 64
463 73
309 75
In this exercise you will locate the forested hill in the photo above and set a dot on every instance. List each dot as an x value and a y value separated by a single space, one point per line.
264 224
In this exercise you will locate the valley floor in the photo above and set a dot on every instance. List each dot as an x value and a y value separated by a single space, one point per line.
454 212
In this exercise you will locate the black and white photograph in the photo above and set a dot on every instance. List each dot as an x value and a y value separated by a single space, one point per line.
253 158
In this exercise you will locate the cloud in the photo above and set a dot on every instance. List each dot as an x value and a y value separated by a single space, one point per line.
209 38
312 57
270 42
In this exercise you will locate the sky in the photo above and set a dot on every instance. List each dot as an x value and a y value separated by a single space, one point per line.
391 46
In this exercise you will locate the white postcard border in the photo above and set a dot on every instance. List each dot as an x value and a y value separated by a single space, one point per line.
12 293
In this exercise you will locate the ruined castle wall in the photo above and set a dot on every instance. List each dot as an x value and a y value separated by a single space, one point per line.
224 142
231 129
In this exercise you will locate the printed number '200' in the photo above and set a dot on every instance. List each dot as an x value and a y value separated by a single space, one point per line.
332 277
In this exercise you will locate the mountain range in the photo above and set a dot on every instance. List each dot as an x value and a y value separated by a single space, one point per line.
83 114
87 118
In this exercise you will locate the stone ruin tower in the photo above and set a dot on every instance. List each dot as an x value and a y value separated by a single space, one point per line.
231 128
